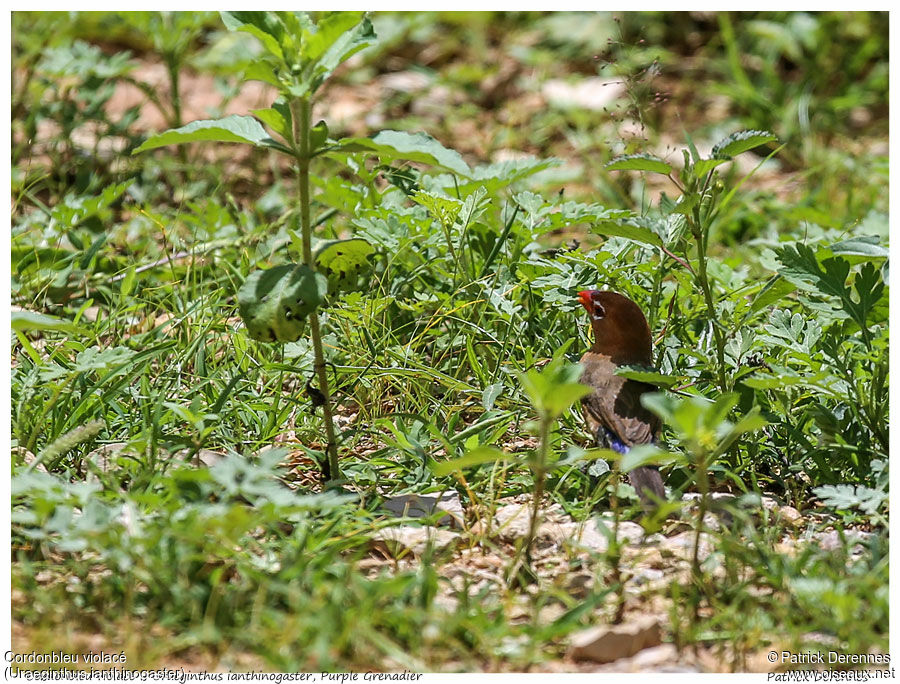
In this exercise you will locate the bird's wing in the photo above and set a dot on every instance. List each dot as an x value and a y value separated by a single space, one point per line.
615 404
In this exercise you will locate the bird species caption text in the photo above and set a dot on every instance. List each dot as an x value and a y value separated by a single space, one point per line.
32 667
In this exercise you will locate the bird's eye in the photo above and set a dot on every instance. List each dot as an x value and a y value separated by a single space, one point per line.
598 312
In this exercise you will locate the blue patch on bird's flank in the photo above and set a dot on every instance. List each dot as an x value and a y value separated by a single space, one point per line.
607 438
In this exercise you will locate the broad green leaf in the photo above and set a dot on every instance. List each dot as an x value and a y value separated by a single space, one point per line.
736 143
95 359
627 230
277 117
773 381
846 496
639 162
343 262
417 147
28 321
490 394
640 455
685 204
477 456
801 267
318 134
864 245
443 209
339 36
262 71
555 388
275 302
232 129
328 31
561 397
494 177
265 26
751 422
704 166
650 377
776 289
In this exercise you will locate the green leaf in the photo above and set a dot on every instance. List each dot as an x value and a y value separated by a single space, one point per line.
490 394
277 117
704 166
561 397
28 321
751 422
417 147
477 456
232 129
275 302
265 26
846 496
262 71
556 388
774 290
318 134
628 230
775 382
343 262
650 377
95 359
640 455
443 209
863 245
339 36
639 162
736 143
801 267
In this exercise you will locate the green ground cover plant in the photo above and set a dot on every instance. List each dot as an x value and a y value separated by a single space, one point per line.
236 333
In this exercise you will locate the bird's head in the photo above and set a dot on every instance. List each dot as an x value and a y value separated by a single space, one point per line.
620 329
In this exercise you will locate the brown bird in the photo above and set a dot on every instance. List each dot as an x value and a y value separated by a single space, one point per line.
613 411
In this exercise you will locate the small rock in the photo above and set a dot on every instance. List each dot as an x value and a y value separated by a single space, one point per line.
831 540
655 657
579 584
630 531
103 457
207 457
29 458
512 522
860 117
204 457
790 515
654 539
644 576
405 539
596 534
649 557
682 545
424 505
605 644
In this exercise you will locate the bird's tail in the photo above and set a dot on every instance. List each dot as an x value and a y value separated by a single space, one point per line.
649 485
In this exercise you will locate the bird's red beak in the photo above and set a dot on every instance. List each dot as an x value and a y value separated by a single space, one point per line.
584 298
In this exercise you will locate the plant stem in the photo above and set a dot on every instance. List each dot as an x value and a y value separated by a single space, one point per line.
703 484
703 280
540 477
300 113
615 551
172 65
